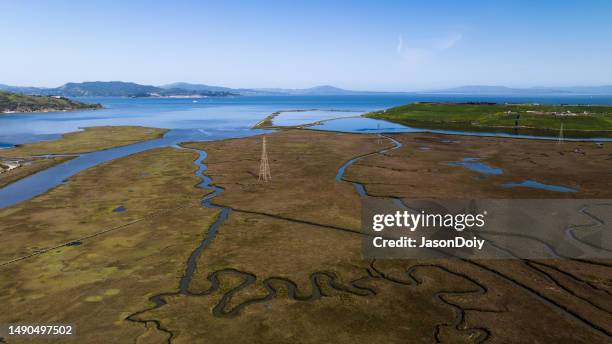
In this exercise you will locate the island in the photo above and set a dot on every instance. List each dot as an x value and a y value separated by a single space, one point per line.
14 102
527 119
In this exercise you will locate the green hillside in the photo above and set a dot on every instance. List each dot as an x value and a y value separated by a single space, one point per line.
14 102
578 120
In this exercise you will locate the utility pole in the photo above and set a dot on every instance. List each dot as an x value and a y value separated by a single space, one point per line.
264 167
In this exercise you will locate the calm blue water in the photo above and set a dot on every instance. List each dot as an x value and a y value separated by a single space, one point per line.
363 125
538 185
291 118
200 120
474 165
369 125
222 114
226 113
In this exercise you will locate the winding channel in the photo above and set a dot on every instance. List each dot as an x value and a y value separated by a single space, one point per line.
459 322
42 181
319 281
359 187
191 264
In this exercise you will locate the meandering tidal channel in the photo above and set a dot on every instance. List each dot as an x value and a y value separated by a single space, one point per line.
33 186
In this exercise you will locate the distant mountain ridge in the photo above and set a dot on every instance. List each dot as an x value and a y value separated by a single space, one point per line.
317 90
197 87
112 89
105 89
312 91
503 90
468 90
183 89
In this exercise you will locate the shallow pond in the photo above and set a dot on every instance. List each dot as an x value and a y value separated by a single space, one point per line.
537 185
474 165
119 209
370 125
294 118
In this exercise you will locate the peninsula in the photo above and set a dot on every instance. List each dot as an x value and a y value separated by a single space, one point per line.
15 102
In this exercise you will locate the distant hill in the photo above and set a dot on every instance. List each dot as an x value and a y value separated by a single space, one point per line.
114 89
24 90
239 91
184 89
466 90
585 90
313 91
15 102
104 89
502 90
130 89
492 90
197 87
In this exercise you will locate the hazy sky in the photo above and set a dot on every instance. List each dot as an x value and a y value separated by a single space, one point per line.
379 45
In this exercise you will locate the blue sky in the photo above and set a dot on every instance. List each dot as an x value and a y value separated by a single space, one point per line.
378 45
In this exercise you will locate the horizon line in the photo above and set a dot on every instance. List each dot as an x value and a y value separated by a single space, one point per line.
414 90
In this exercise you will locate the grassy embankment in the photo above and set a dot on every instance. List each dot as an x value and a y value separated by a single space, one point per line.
15 102
88 140
587 121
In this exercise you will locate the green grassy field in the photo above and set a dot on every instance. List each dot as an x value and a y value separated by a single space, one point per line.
532 119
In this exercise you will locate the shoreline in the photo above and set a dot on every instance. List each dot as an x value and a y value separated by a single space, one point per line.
43 160
51 111
573 121
308 126
486 131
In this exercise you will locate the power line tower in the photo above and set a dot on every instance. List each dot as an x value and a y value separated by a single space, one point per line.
264 167
561 139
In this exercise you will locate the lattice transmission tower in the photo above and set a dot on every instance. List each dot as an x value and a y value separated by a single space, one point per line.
264 167
561 139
